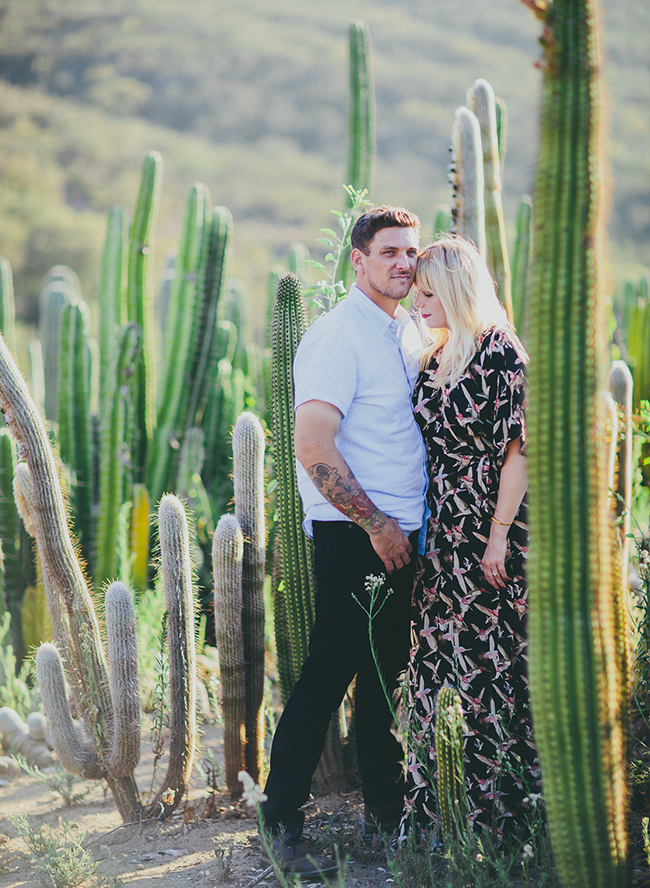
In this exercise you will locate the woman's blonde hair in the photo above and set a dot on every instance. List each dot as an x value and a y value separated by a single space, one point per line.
455 271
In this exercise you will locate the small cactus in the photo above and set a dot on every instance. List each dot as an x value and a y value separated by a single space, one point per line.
452 798
467 178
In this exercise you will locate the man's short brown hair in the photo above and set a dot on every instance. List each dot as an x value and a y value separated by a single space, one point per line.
373 220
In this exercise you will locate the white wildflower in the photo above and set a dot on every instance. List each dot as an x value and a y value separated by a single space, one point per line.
528 852
252 794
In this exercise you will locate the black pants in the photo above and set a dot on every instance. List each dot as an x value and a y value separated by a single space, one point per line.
339 649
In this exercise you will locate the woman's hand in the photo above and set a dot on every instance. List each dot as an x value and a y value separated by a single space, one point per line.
494 559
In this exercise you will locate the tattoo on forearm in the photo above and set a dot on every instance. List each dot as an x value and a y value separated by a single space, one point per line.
347 496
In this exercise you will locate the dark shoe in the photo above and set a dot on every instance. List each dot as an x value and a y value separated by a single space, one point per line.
297 855
374 831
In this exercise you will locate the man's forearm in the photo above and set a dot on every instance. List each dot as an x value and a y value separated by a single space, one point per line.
339 487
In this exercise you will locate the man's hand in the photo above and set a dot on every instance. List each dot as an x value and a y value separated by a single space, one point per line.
392 545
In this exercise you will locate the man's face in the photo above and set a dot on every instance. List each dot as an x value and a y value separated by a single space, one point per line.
386 272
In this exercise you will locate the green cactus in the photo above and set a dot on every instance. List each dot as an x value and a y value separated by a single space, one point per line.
361 116
60 288
108 705
293 596
112 303
578 678
467 179
481 100
298 258
7 306
248 476
443 221
114 452
227 560
452 798
74 433
521 264
139 308
13 578
637 302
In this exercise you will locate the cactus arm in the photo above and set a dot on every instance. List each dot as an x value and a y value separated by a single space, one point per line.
72 753
12 576
467 179
578 686
361 119
112 455
176 570
125 682
227 561
296 573
7 305
139 303
112 301
139 535
621 386
179 340
248 475
481 100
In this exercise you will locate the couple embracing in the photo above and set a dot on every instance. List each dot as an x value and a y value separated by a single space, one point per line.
409 440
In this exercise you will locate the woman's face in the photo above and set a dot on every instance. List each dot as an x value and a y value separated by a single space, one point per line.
431 309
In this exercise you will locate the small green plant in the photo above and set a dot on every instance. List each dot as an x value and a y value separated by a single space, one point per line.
60 860
213 774
326 293
14 690
224 864
71 789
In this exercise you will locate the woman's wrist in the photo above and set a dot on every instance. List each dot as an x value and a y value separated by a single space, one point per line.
499 522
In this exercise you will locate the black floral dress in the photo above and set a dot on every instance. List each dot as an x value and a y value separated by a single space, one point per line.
465 633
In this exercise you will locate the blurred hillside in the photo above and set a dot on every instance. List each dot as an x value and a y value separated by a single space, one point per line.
251 97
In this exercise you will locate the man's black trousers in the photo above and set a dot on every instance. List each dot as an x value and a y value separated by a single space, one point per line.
339 649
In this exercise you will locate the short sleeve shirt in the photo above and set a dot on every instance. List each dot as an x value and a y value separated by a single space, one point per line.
365 363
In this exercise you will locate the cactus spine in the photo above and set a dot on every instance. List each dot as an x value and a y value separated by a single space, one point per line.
248 473
467 178
577 677
361 123
292 596
227 560
452 799
480 98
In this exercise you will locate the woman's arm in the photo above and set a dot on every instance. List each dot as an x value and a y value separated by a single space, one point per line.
512 487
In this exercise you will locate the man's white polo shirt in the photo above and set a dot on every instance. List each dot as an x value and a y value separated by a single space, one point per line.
365 363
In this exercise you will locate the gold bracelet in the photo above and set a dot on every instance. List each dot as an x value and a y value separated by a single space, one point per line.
502 523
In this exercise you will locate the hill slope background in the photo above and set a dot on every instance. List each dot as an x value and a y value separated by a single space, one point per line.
251 99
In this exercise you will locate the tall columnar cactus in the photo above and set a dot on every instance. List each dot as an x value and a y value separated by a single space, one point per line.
293 592
107 701
467 179
637 300
227 561
521 264
578 683
361 115
139 307
248 474
13 577
112 302
74 434
7 306
481 100
452 798
185 306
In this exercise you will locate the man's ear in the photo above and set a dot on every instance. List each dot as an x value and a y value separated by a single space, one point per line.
356 258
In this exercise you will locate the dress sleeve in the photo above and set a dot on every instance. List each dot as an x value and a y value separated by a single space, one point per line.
508 392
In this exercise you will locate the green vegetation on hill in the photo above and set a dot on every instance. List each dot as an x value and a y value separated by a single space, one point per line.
251 99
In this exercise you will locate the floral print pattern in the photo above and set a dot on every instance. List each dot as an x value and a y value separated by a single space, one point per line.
465 633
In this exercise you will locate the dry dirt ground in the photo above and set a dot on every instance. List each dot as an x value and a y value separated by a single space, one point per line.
180 852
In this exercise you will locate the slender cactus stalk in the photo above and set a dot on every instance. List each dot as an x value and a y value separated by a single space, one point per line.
139 304
467 179
7 306
521 265
361 118
578 678
227 561
248 473
621 386
452 798
480 98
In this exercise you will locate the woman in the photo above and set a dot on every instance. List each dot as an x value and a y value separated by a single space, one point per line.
469 628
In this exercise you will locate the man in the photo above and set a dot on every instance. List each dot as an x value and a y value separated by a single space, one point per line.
361 472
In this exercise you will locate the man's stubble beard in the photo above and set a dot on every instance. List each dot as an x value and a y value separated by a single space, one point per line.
392 292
